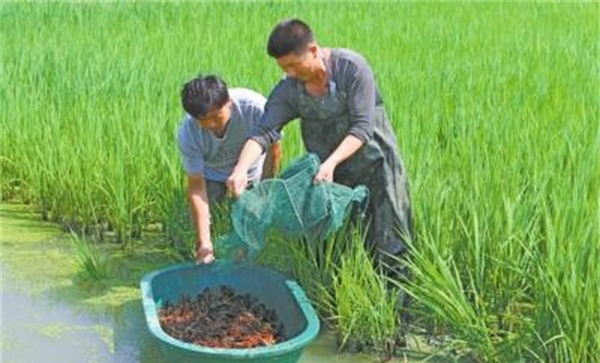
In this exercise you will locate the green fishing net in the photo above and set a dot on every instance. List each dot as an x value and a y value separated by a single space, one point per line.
292 206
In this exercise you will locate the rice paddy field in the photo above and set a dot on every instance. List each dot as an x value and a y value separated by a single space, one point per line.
495 106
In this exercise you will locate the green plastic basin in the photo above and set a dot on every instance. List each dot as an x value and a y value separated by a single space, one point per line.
270 287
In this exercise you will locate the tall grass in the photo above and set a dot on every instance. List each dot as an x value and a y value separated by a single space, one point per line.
351 294
495 107
92 264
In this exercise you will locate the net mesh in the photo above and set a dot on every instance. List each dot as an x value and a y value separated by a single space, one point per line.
292 206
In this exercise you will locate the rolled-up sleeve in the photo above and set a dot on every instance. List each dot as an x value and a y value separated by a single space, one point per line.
279 110
191 153
361 99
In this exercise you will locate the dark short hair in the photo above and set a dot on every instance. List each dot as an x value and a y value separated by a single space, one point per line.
289 36
202 94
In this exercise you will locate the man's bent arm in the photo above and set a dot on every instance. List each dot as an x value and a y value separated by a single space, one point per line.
348 147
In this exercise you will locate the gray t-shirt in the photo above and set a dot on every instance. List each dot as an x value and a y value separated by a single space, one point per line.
204 153
351 73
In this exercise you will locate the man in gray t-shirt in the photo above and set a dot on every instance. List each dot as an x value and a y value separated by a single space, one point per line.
211 136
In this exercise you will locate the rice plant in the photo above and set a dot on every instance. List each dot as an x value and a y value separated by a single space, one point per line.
93 265
495 106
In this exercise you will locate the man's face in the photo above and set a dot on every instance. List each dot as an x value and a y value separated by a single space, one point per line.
300 66
216 119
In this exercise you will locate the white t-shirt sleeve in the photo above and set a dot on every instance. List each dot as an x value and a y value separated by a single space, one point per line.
190 150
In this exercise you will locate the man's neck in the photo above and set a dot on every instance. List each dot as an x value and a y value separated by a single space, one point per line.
321 74
221 133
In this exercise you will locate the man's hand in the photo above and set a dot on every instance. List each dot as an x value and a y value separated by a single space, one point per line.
325 173
204 253
346 149
237 182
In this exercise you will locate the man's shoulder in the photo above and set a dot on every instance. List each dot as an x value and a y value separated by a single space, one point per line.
245 97
344 57
186 128
186 122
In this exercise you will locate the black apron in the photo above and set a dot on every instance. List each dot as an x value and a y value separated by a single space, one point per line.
325 122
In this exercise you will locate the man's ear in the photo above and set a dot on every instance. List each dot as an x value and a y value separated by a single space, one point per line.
313 49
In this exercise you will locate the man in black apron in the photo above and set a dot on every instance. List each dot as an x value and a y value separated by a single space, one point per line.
343 120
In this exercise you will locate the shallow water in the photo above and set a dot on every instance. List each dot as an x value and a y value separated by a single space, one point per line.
38 329
39 324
